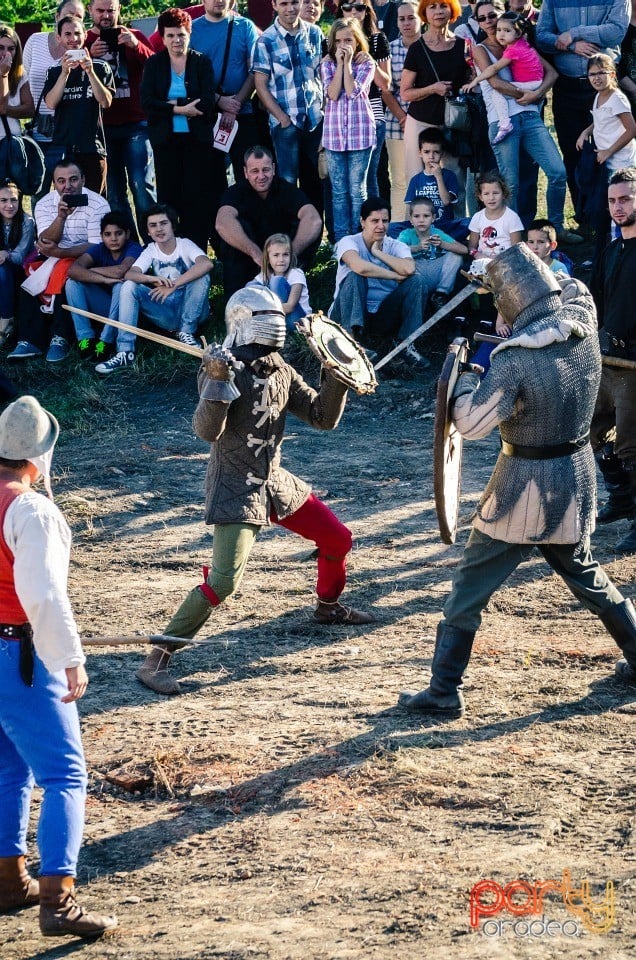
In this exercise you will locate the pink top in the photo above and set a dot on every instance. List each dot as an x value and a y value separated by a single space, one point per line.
525 64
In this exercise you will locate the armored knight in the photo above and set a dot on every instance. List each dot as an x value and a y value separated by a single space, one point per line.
540 392
246 390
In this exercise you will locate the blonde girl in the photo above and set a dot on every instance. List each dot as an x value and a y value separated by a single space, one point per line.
280 273
613 126
495 227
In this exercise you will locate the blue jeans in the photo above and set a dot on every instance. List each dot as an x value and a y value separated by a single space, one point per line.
348 175
40 741
97 299
130 163
438 274
530 132
399 314
289 142
183 310
9 275
373 190
281 287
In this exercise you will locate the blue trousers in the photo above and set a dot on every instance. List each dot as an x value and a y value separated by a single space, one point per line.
9 275
130 164
183 310
281 287
40 742
97 299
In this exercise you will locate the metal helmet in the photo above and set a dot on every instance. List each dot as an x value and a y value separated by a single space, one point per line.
518 279
254 315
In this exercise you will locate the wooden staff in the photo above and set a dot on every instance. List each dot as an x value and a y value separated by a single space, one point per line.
155 337
153 639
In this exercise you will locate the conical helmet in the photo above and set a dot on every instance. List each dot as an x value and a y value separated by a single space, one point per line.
517 279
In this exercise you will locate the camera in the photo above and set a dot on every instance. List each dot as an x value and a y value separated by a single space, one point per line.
75 199
76 54
110 36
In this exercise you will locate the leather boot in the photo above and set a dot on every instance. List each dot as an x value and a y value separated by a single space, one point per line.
620 623
444 697
6 329
153 673
619 505
628 543
334 612
60 913
17 888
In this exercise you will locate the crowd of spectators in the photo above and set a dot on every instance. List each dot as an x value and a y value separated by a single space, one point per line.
213 138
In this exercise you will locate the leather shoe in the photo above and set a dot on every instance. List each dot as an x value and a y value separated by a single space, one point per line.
448 705
616 508
625 671
338 613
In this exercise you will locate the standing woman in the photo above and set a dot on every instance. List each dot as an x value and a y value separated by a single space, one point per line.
177 96
435 68
349 128
410 29
15 97
16 241
78 90
363 12
41 52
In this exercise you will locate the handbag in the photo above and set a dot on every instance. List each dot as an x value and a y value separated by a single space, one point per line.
21 160
41 123
456 109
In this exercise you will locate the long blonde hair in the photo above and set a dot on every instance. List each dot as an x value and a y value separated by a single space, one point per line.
347 23
283 239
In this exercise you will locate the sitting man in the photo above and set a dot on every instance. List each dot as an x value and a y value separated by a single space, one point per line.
68 221
376 272
253 209
169 283
95 281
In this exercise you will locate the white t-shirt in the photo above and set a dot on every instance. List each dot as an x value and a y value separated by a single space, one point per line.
377 289
169 265
14 123
294 275
608 128
494 235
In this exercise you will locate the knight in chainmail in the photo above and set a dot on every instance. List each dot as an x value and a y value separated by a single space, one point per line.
540 391
246 390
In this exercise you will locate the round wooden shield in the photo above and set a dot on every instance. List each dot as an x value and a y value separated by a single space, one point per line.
448 444
338 352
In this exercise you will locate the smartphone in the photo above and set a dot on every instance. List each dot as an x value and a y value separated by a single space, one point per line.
75 199
110 36
76 54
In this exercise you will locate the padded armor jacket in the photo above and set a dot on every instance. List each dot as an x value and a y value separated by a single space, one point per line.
245 480
540 390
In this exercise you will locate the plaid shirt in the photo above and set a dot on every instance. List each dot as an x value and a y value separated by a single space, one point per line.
349 121
292 63
398 56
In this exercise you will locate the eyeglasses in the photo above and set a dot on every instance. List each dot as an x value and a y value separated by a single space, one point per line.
599 73
487 16
359 7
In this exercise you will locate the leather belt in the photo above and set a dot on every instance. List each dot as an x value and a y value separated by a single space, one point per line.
22 634
545 453
15 631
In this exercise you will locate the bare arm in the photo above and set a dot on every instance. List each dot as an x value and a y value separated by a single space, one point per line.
309 228
26 107
294 297
409 93
268 101
382 74
364 268
84 271
630 132
229 228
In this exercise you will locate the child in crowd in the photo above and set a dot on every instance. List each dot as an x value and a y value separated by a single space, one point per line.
282 276
94 283
613 126
16 242
542 240
524 62
495 227
437 183
437 256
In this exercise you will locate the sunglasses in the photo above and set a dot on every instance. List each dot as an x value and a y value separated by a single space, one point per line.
487 16
359 7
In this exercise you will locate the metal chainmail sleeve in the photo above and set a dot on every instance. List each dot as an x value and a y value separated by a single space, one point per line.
555 387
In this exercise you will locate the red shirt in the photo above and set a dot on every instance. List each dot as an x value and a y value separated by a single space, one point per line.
10 607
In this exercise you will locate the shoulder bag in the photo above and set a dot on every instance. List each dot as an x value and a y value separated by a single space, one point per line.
456 110
21 160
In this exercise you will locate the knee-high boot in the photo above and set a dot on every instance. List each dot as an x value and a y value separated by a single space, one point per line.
444 696
620 622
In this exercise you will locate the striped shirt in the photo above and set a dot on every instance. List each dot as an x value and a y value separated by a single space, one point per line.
292 65
37 59
82 223
349 121
398 56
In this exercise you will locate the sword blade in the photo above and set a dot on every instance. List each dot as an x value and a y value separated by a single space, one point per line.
147 334
463 294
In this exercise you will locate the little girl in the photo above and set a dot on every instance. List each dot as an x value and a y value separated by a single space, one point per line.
613 126
495 227
16 242
280 273
524 62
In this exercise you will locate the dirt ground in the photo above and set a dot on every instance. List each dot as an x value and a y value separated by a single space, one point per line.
286 808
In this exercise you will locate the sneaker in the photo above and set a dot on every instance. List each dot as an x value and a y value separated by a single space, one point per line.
103 350
118 362
86 348
188 339
415 358
505 129
58 350
24 351
438 300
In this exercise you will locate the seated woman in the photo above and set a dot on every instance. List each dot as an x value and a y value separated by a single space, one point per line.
16 241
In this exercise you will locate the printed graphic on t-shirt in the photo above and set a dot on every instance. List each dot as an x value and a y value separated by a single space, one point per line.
168 269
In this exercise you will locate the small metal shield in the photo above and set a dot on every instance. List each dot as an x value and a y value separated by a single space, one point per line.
448 444
338 352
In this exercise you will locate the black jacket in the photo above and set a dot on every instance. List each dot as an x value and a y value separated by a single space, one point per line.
199 82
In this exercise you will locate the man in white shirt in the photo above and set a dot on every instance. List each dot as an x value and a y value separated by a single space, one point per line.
378 296
68 222
169 283
42 676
